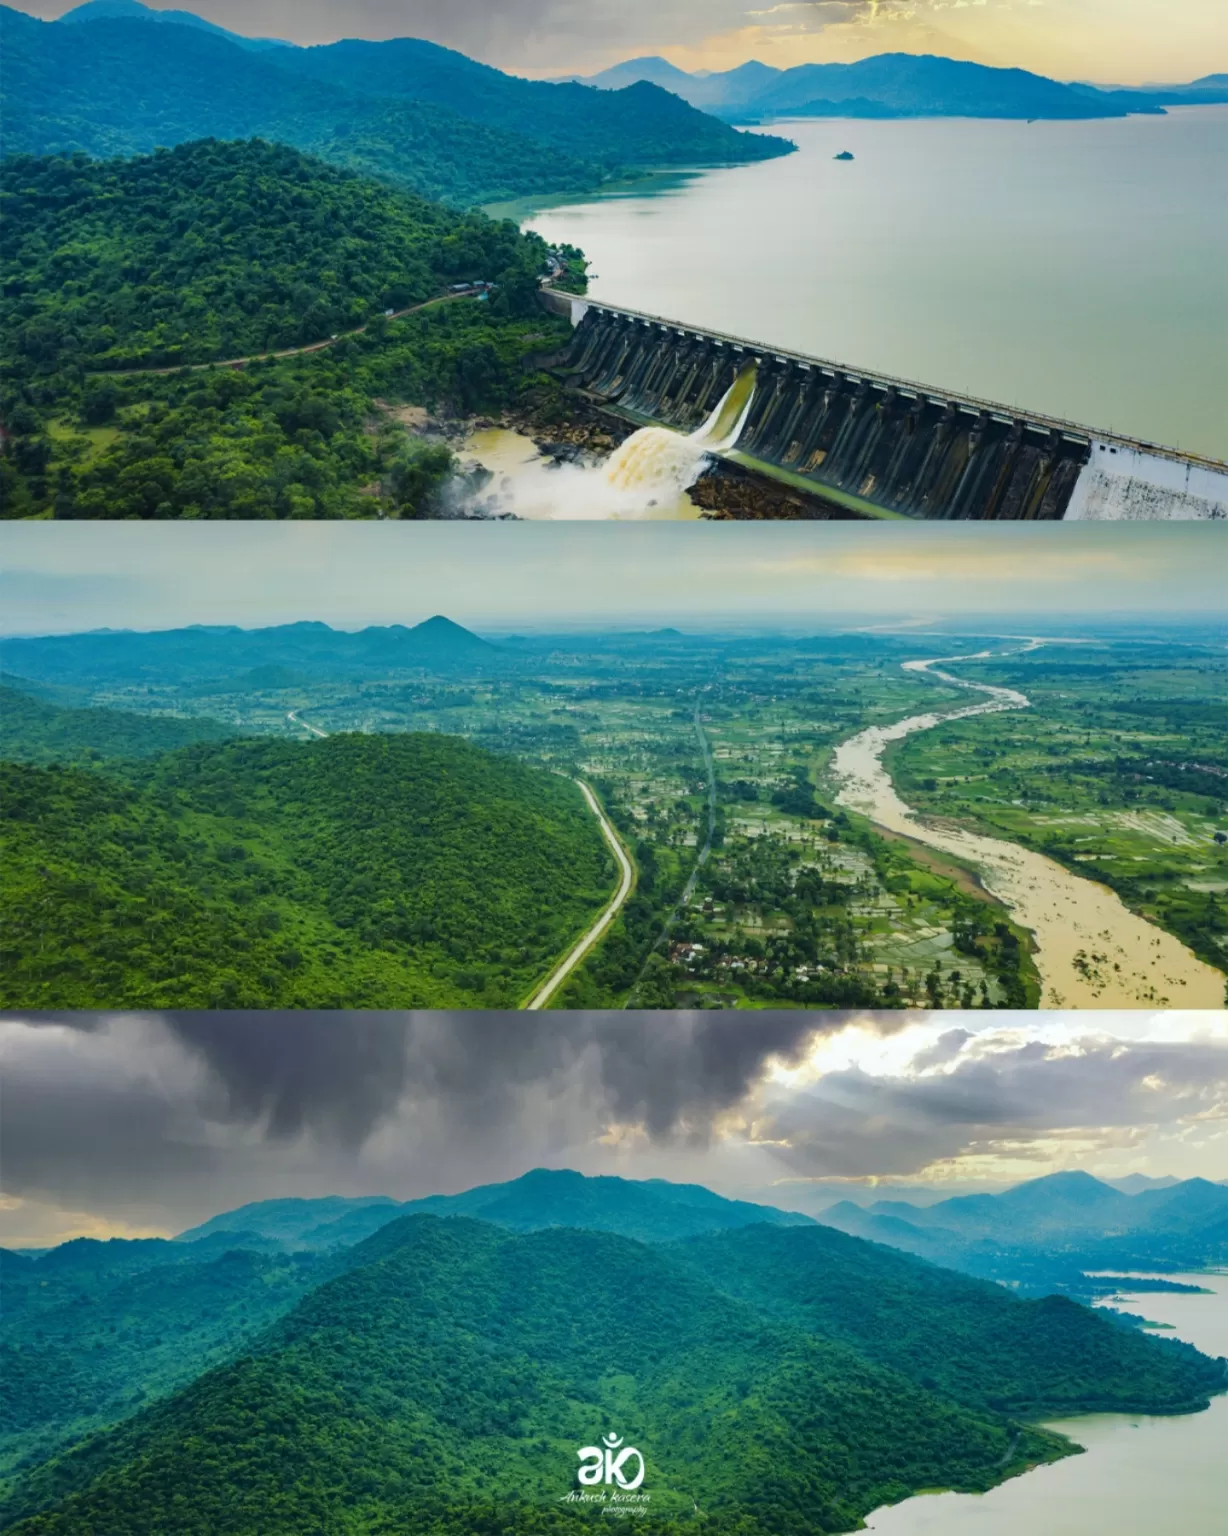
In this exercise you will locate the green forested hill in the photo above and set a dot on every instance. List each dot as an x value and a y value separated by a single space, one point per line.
970 1340
32 731
219 250
405 111
214 251
85 1344
225 658
359 871
640 126
124 88
446 1382
439 1364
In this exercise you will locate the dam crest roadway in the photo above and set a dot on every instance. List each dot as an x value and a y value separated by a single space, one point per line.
870 446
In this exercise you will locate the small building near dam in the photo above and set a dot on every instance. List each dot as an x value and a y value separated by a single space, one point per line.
875 446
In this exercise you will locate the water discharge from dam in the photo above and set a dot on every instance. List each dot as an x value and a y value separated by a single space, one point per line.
1091 950
646 478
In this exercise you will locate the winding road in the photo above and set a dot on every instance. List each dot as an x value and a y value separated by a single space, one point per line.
1091 950
273 357
564 969
315 730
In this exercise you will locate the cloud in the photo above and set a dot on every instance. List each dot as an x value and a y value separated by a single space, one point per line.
188 1112
517 34
972 563
135 1123
1105 39
166 575
970 1095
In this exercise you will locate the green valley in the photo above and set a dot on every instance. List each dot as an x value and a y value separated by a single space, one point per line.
1119 772
711 754
443 1374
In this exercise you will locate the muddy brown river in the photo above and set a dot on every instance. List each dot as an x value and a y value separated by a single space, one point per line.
1070 917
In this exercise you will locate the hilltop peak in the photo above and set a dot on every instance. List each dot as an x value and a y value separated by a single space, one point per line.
441 628
133 10
1072 1181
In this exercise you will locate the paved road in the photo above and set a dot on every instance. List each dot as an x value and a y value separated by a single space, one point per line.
564 970
266 357
315 730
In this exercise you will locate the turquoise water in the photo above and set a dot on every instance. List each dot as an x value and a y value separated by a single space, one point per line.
1072 268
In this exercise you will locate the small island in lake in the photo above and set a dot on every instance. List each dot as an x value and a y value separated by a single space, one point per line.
846 155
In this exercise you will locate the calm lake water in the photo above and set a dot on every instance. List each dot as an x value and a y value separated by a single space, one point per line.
1073 268
1139 1476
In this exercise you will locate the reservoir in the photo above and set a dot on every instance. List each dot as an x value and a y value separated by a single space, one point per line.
1073 269
1070 917
1139 1477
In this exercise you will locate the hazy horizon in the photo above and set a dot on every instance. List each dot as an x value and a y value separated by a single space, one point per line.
1127 42
700 627
158 576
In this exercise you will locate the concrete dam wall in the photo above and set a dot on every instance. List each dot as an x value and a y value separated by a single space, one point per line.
872 445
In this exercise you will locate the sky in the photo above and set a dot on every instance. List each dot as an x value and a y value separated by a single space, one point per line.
1112 41
144 1125
555 575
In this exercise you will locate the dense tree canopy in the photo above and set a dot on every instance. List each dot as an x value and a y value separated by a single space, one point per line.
217 251
446 1380
33 731
359 871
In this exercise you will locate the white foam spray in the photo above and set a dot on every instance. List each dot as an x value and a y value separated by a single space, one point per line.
647 477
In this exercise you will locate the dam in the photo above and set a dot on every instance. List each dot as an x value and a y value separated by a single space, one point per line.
871 446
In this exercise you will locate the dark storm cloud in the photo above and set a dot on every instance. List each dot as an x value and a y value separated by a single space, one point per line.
341 1074
161 1108
337 1075
852 1124
164 1120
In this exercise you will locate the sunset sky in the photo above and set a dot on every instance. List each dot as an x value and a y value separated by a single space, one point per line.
1117 41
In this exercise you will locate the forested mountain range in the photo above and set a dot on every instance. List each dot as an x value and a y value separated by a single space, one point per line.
442 1374
898 85
133 10
387 871
407 111
1050 1231
650 1211
222 654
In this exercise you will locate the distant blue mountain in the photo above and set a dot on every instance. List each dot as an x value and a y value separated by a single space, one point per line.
1069 1220
132 10
115 78
899 85
649 1211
